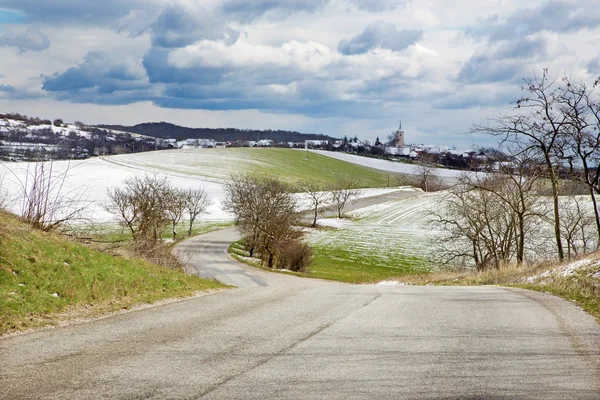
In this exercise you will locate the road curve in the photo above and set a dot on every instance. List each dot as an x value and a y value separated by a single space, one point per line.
283 337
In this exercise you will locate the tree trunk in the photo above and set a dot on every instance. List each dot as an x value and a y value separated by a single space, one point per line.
557 236
521 241
270 260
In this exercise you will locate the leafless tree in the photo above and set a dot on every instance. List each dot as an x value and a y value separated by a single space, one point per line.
581 143
576 222
141 206
317 195
536 125
346 188
46 201
196 203
3 192
486 218
175 208
426 174
265 213
517 188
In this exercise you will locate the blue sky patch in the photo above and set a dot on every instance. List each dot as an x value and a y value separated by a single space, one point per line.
12 17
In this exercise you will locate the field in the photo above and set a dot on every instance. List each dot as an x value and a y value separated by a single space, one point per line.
88 180
398 167
383 241
289 165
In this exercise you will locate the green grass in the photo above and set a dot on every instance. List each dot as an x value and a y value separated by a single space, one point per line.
290 165
43 275
345 265
341 265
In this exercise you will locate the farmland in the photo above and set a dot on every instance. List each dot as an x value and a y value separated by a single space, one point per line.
382 241
289 165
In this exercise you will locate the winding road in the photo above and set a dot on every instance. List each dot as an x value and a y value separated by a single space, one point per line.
282 337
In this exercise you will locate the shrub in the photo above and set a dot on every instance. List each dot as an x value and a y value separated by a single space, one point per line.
293 255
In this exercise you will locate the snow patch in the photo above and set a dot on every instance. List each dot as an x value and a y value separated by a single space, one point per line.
390 283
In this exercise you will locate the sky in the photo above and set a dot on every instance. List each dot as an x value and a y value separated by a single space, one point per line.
338 67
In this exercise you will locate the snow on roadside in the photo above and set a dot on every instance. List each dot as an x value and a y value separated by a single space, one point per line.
567 270
390 283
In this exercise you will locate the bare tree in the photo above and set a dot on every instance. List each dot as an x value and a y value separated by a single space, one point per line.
196 203
581 147
576 222
426 174
46 201
346 188
3 193
486 218
317 195
141 206
175 208
518 189
265 213
536 126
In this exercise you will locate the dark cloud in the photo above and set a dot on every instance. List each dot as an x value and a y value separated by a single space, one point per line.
30 40
554 16
248 11
99 73
379 35
181 24
505 62
7 89
158 69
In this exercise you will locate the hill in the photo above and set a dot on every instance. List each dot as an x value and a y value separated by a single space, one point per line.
44 274
167 130
287 164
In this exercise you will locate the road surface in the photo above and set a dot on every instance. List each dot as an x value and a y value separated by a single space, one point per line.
283 337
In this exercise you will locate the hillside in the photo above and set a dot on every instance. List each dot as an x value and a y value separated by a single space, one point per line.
43 275
287 164
167 130
26 139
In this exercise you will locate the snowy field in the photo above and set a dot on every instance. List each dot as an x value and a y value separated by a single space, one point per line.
90 179
386 234
397 232
211 165
385 165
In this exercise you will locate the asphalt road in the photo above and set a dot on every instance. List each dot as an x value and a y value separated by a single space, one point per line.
285 337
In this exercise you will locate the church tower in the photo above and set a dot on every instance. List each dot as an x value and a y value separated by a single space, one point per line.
399 137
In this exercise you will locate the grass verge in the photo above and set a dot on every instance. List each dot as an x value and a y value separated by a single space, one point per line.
44 275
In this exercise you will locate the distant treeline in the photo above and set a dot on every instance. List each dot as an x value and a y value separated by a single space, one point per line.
167 130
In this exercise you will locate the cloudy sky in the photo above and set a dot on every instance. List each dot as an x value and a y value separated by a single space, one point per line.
329 66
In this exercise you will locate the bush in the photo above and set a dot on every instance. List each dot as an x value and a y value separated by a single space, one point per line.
294 255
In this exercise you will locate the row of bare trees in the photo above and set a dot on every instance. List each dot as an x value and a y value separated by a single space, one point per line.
147 205
553 134
320 195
